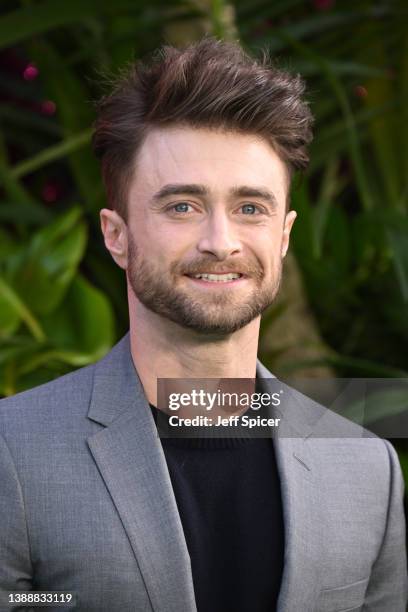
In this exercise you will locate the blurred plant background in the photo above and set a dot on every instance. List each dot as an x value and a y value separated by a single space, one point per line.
344 302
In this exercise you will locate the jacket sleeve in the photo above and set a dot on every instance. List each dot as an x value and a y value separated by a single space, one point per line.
15 562
387 589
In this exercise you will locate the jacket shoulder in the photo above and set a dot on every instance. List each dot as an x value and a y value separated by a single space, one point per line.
40 405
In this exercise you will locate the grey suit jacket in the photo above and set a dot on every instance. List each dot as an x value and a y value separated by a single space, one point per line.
87 505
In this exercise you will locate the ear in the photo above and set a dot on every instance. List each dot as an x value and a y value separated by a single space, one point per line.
114 231
289 220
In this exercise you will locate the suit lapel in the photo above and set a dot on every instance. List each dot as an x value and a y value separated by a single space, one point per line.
303 525
298 468
131 461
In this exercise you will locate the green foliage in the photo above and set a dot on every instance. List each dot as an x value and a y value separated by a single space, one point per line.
351 237
50 315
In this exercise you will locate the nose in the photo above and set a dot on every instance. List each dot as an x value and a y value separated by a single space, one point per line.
218 237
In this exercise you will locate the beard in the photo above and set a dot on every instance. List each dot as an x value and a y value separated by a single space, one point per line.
216 311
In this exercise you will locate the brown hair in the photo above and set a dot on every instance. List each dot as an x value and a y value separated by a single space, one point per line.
212 84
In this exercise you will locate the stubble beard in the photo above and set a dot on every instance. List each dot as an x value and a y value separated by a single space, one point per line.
215 312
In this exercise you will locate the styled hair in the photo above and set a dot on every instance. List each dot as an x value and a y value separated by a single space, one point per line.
208 84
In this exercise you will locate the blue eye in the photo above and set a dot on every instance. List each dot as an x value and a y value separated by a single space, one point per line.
249 208
181 207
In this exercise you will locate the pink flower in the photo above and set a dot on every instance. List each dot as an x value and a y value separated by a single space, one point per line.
30 72
360 91
48 107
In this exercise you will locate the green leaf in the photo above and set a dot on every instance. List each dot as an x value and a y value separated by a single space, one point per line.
9 317
307 68
82 328
361 367
384 129
378 405
17 346
25 213
302 232
7 243
52 154
51 261
398 240
403 459
10 300
321 213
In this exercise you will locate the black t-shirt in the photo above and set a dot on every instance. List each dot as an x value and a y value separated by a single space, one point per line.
228 496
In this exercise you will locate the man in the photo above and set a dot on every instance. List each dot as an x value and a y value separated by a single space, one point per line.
198 148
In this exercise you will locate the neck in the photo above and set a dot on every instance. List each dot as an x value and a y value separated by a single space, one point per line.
163 349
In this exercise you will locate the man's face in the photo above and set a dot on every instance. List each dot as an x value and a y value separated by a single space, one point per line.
207 202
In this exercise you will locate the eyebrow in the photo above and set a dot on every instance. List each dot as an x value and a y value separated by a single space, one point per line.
243 191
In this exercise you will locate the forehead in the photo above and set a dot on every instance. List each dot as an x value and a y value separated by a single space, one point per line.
218 159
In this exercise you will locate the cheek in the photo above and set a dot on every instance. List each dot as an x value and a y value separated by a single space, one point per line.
172 242
151 236
164 249
268 250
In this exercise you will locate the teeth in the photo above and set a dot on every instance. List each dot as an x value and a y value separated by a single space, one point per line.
218 277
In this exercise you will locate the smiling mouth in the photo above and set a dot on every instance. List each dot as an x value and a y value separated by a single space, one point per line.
217 278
